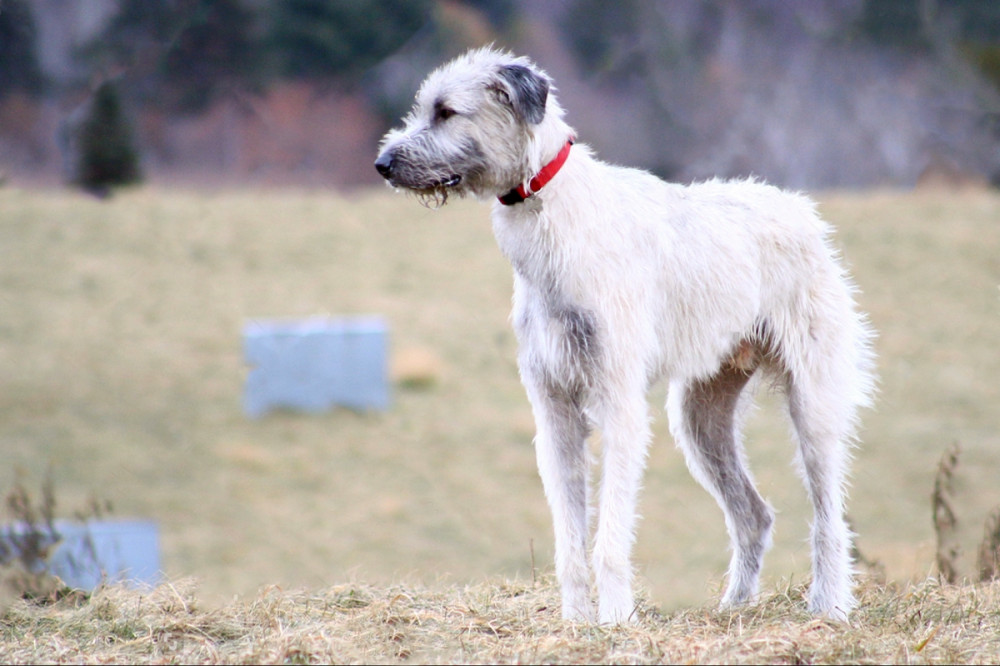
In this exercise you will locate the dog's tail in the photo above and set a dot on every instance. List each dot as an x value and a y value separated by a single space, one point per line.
827 344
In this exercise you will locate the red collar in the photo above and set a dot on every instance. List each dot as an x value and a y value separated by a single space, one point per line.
548 172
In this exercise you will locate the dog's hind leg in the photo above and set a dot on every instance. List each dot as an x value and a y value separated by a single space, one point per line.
561 453
704 426
822 427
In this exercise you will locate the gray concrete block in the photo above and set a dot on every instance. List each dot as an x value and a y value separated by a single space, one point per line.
86 554
315 364
110 551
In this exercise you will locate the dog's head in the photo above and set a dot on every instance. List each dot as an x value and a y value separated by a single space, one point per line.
472 128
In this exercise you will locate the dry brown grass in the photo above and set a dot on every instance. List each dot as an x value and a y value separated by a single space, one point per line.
120 365
496 622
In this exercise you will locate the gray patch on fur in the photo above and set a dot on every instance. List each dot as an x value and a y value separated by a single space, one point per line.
581 329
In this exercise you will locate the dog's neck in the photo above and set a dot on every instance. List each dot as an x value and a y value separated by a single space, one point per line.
541 179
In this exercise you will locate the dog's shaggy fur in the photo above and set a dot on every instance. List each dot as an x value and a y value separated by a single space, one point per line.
620 280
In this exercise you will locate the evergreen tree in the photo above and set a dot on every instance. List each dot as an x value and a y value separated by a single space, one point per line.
106 156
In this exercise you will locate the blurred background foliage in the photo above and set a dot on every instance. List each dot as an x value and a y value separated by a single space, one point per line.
19 68
179 51
313 39
704 84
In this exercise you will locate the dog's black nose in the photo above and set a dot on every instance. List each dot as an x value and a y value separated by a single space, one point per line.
384 164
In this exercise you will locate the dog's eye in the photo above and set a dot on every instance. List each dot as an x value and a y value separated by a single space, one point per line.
442 112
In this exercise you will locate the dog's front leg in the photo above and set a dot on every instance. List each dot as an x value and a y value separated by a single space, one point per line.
625 437
561 452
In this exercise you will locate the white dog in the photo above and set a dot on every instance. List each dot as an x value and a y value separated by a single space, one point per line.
621 279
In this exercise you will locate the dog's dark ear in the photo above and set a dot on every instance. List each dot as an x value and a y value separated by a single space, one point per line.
526 91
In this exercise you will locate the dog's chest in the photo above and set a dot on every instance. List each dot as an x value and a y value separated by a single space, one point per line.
548 275
540 252
559 329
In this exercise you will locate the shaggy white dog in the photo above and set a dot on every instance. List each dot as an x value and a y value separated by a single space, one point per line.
620 280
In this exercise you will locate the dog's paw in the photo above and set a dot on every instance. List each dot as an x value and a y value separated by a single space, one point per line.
618 610
578 613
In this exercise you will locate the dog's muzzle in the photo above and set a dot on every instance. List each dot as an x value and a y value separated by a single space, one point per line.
386 166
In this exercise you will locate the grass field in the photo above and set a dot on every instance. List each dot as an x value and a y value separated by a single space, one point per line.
121 367
497 622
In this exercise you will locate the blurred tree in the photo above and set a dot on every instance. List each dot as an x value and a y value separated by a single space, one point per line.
181 54
923 23
19 69
502 14
602 35
215 50
102 145
326 39
973 26
899 23
978 20
978 25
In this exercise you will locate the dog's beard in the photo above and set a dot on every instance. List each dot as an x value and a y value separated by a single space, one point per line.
436 195
432 198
